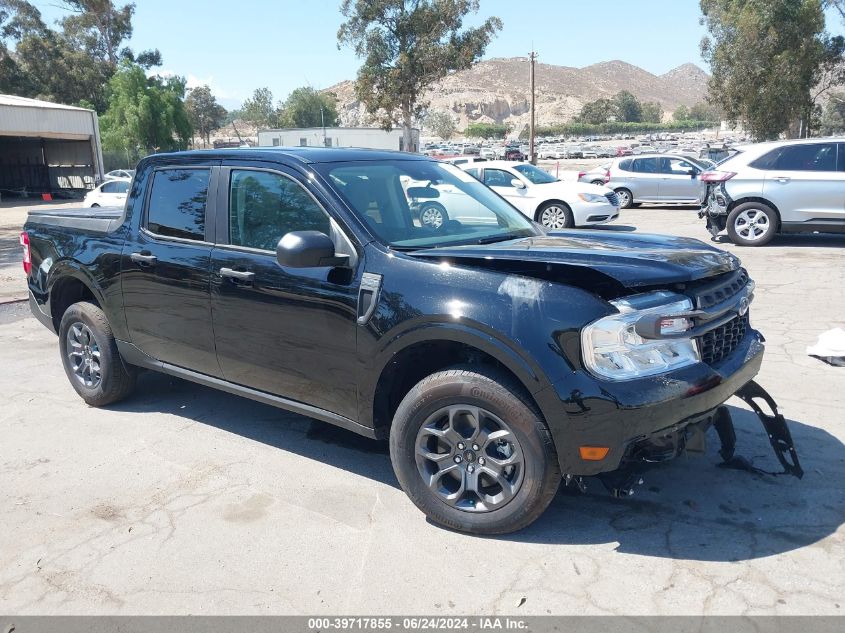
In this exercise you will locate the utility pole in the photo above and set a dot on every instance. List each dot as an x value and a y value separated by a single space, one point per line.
323 123
532 155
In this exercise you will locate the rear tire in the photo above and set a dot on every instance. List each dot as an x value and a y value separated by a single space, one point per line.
90 356
626 199
453 467
598 183
752 224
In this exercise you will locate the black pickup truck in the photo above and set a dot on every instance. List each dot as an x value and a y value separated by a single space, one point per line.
498 358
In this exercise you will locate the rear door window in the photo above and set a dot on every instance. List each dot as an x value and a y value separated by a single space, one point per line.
116 186
177 203
801 157
647 165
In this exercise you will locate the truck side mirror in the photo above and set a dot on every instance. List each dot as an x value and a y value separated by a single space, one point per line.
308 249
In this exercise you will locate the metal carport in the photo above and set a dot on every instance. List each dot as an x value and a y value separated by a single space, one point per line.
47 147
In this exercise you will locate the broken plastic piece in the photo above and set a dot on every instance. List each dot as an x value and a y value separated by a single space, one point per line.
775 425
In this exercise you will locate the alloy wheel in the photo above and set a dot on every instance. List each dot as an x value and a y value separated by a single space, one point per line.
84 355
752 224
469 458
553 217
624 198
431 217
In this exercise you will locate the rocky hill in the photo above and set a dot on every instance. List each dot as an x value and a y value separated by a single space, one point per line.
496 91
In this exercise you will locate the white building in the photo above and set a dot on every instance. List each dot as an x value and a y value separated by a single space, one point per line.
369 137
47 147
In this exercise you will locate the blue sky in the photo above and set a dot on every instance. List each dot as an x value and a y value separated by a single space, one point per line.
236 47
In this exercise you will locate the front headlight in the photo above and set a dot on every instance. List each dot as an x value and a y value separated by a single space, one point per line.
613 349
592 197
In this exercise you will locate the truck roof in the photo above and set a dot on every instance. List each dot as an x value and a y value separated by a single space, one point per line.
301 154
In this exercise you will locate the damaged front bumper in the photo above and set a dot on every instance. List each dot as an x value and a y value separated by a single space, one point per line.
714 208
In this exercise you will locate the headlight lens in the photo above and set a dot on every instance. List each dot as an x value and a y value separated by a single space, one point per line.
592 197
613 349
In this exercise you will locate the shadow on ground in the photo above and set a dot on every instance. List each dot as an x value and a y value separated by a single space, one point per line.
686 509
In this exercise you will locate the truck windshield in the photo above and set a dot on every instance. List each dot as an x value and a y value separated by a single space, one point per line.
413 204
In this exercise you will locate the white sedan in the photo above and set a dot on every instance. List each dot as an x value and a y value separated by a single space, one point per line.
111 193
545 199
119 174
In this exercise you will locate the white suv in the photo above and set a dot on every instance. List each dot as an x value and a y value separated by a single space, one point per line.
778 187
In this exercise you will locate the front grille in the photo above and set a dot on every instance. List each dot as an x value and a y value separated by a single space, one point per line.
725 286
717 344
612 198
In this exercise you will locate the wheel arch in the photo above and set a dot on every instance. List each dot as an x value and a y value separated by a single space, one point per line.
69 285
440 348
735 203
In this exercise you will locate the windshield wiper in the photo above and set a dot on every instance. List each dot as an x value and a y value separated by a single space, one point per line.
492 239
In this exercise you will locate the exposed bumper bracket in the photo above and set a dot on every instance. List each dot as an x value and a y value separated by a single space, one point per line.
775 426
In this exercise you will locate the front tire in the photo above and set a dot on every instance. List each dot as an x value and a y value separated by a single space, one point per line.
90 357
473 453
752 224
555 216
433 215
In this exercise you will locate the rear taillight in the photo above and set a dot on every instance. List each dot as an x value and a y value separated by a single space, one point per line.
607 176
27 256
581 174
717 176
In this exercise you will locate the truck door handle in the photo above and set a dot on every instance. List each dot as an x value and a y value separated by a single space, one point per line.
782 179
144 259
237 276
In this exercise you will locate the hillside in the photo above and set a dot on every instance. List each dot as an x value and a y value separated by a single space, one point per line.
496 90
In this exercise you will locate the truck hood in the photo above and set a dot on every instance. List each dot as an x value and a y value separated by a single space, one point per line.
632 260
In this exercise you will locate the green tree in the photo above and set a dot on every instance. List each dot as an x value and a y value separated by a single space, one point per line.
598 111
765 57
441 123
145 112
487 130
71 65
704 111
652 112
628 107
259 110
204 113
306 107
833 114
681 113
407 45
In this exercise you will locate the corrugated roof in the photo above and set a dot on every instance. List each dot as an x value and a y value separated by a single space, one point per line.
24 102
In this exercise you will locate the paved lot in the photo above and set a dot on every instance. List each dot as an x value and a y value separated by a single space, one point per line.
186 500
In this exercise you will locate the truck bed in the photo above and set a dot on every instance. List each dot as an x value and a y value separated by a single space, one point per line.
100 220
